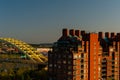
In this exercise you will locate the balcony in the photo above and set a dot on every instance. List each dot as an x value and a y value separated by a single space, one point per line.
103 69
104 66
74 68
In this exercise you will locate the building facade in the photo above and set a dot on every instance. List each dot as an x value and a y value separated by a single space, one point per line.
78 55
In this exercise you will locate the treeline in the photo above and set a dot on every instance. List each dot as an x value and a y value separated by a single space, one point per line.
23 74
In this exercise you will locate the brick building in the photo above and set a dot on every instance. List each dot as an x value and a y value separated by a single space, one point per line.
78 55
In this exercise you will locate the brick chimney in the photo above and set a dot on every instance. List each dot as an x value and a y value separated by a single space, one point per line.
65 32
72 32
100 35
107 34
82 32
77 33
118 36
112 35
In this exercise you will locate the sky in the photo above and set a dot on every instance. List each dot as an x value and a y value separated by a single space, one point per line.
42 21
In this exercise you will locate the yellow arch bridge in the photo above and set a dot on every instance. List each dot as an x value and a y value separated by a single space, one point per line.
28 50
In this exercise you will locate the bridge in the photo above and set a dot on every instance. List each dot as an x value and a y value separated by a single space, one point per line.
26 49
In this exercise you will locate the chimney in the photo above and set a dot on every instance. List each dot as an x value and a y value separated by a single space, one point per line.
112 35
107 34
83 33
65 32
100 35
72 32
77 33
118 36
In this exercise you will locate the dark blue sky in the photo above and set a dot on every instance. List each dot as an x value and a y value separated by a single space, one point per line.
39 21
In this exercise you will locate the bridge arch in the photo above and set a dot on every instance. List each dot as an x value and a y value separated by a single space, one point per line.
26 49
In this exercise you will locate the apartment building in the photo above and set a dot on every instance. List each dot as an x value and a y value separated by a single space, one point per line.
78 55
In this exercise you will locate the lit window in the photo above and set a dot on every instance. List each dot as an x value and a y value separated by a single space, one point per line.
64 62
111 49
115 62
75 56
69 72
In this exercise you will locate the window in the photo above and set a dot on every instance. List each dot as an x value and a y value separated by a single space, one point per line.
74 62
82 76
50 65
69 62
70 56
82 71
82 60
69 67
64 62
82 55
69 72
59 67
64 56
55 65
82 66
59 62
116 62
111 49
75 56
